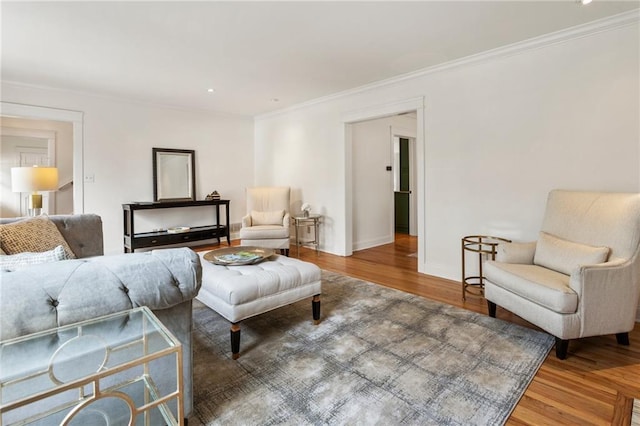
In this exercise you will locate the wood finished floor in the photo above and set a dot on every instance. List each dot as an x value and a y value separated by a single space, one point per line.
593 386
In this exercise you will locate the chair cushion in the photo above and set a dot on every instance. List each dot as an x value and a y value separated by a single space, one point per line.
540 285
36 234
262 232
267 218
564 256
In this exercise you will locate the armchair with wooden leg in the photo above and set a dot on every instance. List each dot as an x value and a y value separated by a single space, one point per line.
581 277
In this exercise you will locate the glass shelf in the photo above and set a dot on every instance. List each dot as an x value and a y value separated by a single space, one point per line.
109 370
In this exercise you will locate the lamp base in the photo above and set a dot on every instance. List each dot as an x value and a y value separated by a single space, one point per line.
35 204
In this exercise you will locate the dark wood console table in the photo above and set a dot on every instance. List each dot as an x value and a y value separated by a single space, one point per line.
133 240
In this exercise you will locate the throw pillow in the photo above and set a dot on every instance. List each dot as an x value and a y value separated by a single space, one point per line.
267 218
516 253
17 261
564 256
36 234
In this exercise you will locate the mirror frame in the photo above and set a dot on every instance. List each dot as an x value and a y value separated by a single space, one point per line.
159 176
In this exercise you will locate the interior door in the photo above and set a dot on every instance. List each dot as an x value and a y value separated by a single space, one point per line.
402 191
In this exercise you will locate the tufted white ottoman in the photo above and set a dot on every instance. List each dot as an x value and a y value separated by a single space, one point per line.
240 292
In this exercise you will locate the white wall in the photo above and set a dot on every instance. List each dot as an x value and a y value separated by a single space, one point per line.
499 134
118 137
373 200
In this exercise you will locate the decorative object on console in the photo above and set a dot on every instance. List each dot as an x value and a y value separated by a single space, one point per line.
178 229
213 196
174 174
34 179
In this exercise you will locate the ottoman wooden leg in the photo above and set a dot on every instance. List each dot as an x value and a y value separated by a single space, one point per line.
235 340
315 307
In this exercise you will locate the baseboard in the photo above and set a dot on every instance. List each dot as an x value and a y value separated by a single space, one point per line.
361 245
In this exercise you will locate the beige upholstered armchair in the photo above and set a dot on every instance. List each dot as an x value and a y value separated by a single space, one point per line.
582 277
267 221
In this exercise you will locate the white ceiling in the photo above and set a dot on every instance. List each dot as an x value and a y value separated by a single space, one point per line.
251 52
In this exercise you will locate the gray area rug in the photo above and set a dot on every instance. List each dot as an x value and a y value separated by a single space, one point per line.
379 356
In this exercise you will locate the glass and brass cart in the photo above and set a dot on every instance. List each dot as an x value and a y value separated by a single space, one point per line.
486 248
119 369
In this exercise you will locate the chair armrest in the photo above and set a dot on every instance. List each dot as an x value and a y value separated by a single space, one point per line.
286 220
608 294
246 221
516 252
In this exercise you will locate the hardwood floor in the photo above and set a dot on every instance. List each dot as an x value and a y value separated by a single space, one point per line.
593 386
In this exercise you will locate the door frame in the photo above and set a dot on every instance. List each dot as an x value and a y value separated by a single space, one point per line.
76 118
399 132
50 137
379 111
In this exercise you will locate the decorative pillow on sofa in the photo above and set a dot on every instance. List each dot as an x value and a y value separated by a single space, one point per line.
11 262
267 218
564 256
36 234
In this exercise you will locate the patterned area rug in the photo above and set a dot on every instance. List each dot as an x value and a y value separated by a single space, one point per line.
379 356
635 413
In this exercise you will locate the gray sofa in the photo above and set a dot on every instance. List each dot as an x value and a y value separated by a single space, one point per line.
49 295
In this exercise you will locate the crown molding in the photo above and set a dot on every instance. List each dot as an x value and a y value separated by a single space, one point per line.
122 99
561 36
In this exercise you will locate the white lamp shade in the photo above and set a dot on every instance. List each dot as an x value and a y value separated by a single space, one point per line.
32 179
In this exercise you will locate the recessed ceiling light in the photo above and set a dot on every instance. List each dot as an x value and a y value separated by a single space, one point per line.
210 90
584 1
275 100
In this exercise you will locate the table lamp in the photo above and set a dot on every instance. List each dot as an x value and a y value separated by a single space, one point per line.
34 179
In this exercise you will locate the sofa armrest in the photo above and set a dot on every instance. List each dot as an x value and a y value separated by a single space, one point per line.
522 253
49 295
286 220
246 221
608 294
83 233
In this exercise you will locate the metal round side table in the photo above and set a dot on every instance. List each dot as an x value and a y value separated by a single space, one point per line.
300 222
484 245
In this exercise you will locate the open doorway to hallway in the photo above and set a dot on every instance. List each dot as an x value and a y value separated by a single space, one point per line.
384 178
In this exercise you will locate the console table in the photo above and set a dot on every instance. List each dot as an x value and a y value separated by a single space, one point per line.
133 240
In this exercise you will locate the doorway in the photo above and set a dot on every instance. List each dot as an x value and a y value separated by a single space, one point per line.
401 185
376 182
70 166
24 147
417 106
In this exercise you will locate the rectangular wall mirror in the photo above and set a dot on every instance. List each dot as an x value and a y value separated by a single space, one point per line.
174 174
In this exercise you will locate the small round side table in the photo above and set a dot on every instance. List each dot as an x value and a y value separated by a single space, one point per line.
302 222
484 245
